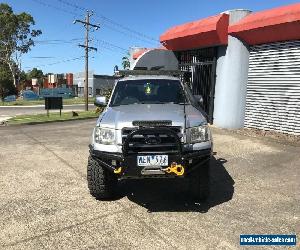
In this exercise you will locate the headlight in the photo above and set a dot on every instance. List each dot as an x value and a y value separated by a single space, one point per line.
104 135
199 134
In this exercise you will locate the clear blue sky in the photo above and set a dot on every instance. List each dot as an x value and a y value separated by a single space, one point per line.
55 17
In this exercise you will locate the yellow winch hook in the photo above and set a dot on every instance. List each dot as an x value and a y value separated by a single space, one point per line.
118 170
175 168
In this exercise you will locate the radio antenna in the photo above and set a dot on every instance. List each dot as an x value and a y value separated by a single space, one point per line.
184 102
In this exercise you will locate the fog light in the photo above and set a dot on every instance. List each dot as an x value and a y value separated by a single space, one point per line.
114 162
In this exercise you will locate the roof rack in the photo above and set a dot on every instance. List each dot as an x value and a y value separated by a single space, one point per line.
123 73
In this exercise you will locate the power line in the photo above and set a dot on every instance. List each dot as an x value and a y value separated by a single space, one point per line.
109 20
72 5
118 52
127 34
103 42
105 19
42 57
57 41
127 29
55 7
58 62
61 40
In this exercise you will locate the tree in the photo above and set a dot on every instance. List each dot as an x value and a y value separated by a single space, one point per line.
6 83
16 38
23 76
35 73
125 61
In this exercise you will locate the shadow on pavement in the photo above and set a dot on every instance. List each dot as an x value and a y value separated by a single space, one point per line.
171 195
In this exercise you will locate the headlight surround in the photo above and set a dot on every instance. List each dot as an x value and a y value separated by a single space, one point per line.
104 135
199 134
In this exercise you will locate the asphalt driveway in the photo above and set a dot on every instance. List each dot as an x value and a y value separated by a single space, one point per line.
45 203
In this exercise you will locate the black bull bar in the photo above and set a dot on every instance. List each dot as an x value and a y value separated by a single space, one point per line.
127 166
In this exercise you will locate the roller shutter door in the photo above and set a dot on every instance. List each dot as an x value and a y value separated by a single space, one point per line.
273 89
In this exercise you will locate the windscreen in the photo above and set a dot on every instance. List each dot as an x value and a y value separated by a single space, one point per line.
151 91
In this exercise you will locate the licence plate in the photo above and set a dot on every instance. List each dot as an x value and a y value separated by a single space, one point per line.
152 160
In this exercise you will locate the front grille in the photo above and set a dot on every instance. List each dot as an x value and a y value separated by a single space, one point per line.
152 123
127 131
152 142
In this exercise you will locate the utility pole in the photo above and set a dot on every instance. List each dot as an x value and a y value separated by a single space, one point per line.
87 48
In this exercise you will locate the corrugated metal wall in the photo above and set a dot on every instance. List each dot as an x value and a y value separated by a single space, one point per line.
273 89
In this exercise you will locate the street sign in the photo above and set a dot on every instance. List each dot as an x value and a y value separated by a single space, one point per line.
53 103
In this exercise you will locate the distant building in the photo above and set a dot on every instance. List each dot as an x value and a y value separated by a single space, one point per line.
98 84
58 81
34 81
69 79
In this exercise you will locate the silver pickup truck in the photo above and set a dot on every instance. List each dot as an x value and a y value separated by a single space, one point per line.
152 127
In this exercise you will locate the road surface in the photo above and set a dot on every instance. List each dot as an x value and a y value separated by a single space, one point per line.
45 202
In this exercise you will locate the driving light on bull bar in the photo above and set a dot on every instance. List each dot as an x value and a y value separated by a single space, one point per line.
104 135
199 134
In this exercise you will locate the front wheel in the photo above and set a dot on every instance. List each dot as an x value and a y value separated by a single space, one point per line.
101 182
199 182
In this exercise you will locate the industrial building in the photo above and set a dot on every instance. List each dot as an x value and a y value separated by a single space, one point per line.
58 80
245 64
97 84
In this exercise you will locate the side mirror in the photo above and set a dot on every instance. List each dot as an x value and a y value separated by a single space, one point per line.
100 101
199 99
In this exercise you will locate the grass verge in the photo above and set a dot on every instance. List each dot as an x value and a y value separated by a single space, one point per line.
53 117
69 101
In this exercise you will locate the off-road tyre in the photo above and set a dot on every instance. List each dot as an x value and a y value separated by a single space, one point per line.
199 183
101 182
